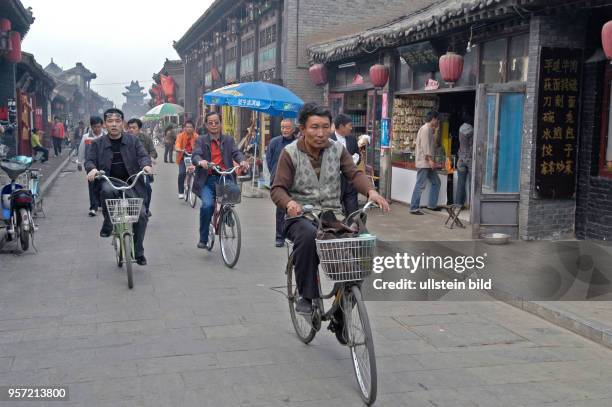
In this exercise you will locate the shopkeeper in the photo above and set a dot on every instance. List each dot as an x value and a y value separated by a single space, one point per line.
425 144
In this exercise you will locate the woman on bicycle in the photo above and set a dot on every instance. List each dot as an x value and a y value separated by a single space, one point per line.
211 149
308 172
120 155
185 142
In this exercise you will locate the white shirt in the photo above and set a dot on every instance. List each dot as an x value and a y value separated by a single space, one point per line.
342 140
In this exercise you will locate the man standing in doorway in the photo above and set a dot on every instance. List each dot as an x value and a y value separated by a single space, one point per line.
343 128
135 129
57 135
464 163
276 146
95 130
425 165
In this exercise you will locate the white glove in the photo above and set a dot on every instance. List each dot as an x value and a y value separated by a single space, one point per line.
356 158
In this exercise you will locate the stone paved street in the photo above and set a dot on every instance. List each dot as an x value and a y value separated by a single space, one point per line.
195 333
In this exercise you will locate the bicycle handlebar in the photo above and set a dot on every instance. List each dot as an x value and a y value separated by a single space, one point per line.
219 171
102 175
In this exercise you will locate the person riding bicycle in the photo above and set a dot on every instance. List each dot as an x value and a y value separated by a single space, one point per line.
185 142
308 172
214 148
120 155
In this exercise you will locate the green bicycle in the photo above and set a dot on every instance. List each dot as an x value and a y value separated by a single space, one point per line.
123 212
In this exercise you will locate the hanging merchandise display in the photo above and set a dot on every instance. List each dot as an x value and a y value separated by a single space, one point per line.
408 117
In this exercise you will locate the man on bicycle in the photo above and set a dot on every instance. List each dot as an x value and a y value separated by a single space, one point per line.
212 149
308 172
119 155
185 143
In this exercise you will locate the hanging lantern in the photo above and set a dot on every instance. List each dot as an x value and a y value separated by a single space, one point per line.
14 55
379 75
318 74
5 24
606 39
451 67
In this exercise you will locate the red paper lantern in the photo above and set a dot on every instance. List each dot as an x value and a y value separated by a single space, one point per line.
379 75
5 24
318 74
14 55
606 39
451 67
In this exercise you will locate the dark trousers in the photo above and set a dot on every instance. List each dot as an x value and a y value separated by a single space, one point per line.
139 228
147 201
94 203
168 150
181 177
463 171
57 145
280 224
207 195
350 202
44 151
302 233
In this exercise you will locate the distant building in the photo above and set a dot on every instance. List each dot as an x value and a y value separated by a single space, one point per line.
134 105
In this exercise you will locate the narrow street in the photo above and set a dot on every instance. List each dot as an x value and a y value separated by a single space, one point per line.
195 333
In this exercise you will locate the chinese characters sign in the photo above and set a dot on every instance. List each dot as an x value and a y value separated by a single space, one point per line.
558 111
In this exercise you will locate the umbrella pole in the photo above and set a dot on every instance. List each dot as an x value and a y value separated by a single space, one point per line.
254 193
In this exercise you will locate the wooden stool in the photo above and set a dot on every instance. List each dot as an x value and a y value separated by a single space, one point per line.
453 216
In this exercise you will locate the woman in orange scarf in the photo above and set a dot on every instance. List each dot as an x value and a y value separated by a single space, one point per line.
185 142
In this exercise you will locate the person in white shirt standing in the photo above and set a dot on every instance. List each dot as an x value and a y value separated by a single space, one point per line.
343 128
425 165
96 130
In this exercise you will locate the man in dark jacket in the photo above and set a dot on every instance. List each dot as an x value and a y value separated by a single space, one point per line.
120 156
211 149
274 150
344 128
135 129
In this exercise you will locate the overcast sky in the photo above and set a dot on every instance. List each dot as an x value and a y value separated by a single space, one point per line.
119 40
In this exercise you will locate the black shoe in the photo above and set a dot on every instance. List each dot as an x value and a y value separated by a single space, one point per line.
106 232
279 243
336 325
141 260
165 161
202 245
303 306
417 212
149 214
92 212
436 209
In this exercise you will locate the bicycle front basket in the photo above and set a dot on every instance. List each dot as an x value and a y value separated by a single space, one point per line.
124 210
228 193
348 259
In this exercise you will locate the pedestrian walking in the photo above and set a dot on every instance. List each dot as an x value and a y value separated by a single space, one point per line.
95 131
276 146
135 129
343 128
76 138
169 140
425 145
57 135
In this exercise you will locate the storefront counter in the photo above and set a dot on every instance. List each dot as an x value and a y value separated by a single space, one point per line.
403 182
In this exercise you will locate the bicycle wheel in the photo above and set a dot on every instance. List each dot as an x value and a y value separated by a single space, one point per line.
361 344
303 329
127 255
229 237
24 238
187 192
211 237
117 247
193 199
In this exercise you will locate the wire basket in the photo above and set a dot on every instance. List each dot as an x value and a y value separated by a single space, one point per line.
124 210
348 259
228 193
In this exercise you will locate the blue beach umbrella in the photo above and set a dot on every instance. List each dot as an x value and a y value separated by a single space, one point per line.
260 96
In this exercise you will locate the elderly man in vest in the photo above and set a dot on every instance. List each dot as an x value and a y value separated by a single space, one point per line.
308 172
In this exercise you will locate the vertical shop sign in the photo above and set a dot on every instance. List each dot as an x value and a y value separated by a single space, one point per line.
558 114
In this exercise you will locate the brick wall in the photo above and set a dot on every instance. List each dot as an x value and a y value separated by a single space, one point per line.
594 197
544 218
309 22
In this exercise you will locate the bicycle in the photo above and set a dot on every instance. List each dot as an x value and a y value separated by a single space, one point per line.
123 212
190 197
33 176
346 262
225 221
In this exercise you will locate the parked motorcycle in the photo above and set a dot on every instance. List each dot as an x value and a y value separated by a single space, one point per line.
16 221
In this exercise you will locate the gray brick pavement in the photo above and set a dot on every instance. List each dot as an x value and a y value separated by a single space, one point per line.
194 333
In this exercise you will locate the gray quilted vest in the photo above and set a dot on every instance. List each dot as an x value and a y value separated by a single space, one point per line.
307 189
